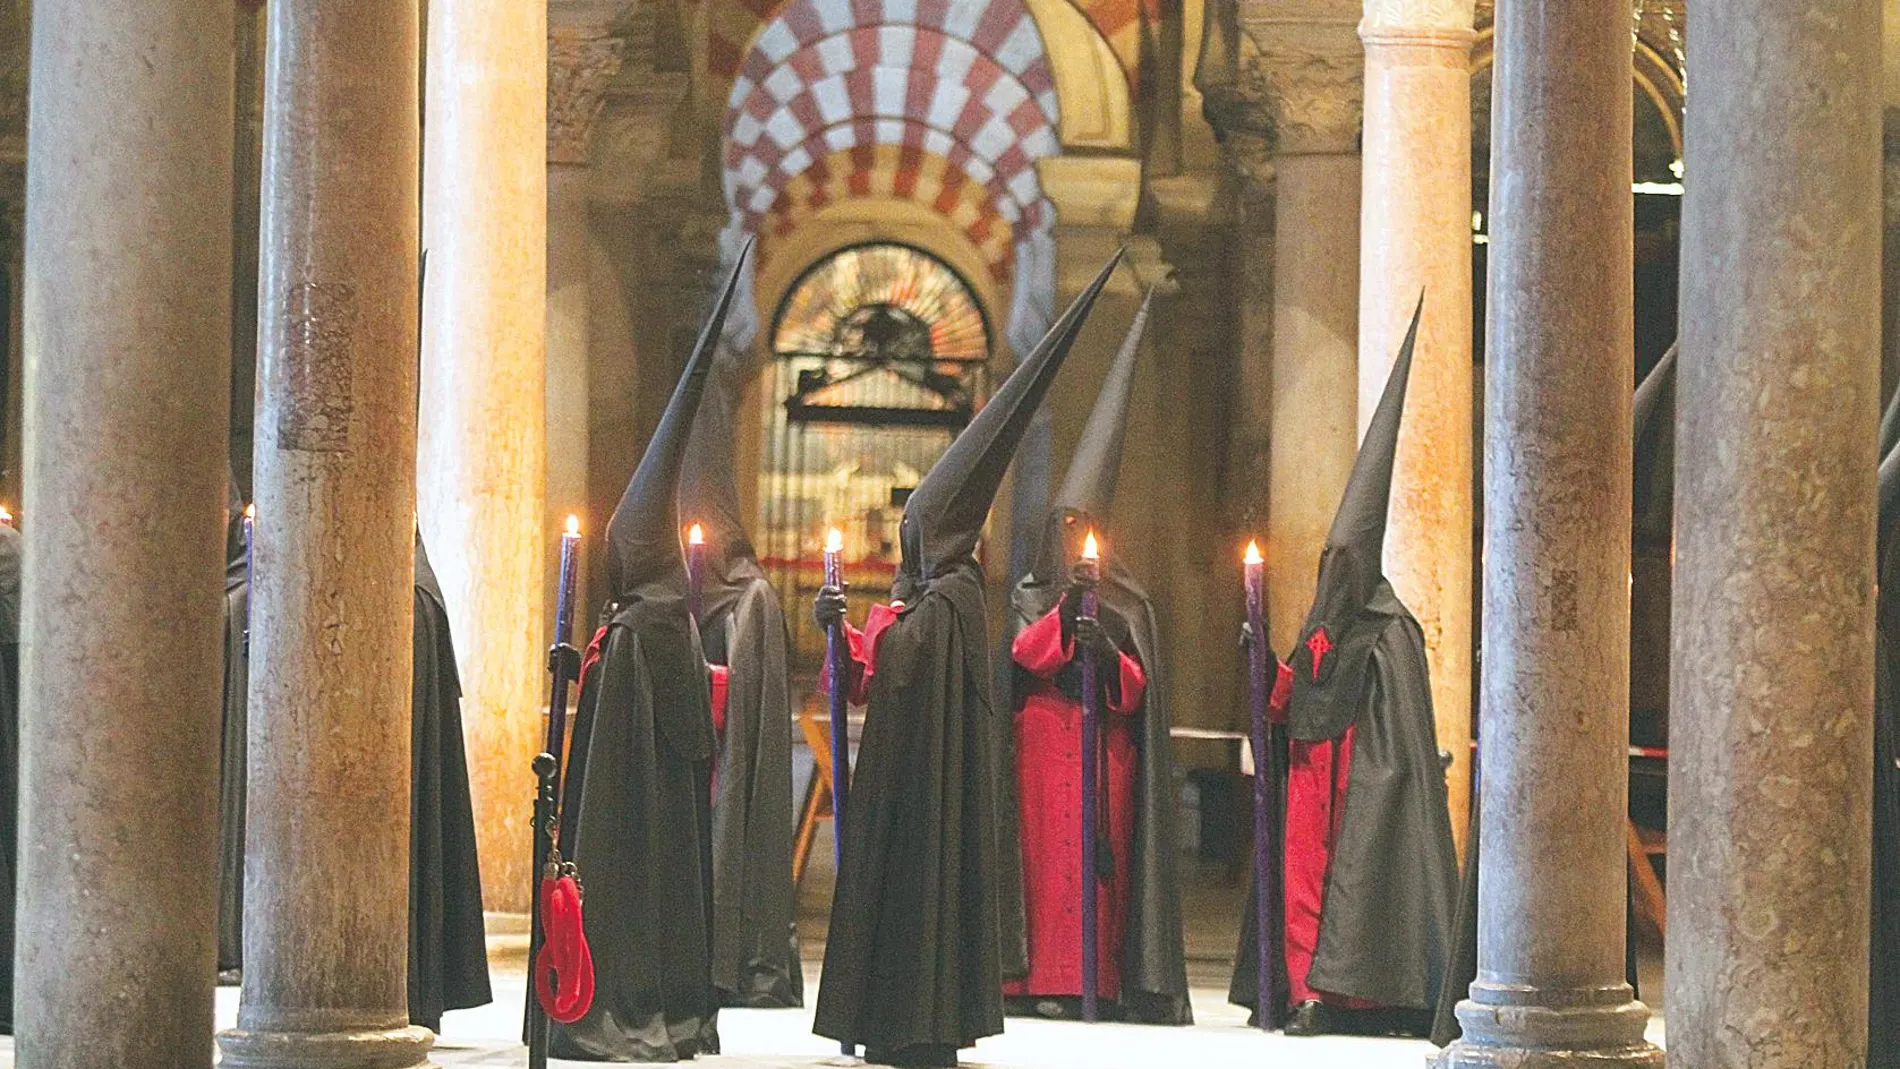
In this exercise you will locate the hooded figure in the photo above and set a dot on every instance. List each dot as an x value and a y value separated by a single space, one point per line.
755 959
913 966
448 944
636 819
10 562
1371 873
1883 1018
1651 410
1143 968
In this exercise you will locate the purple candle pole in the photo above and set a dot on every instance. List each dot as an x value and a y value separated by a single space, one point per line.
563 664
1088 571
837 653
250 544
1264 798
695 567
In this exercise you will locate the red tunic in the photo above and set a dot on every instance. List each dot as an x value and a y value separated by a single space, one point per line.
1049 778
1317 773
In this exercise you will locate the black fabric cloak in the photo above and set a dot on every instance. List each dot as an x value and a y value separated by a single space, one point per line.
448 946
1153 954
1883 1003
755 960
1385 929
636 817
914 956
10 563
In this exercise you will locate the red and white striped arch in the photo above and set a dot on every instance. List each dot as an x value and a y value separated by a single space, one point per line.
895 97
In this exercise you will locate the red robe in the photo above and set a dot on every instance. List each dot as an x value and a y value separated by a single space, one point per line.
1049 778
1317 774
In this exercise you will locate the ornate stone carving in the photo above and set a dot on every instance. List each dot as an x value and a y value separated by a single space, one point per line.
581 64
1315 78
1399 15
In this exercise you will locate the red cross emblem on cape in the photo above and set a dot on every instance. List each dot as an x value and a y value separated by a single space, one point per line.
1319 644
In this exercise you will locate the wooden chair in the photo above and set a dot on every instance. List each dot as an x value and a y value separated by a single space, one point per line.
818 793
1651 903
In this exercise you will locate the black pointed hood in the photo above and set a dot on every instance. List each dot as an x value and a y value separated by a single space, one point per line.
1890 424
1656 388
1889 494
643 537
945 514
709 488
1087 494
1353 602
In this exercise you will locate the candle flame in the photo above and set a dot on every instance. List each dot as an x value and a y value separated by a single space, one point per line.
573 525
834 541
250 512
6 515
1253 552
696 536
1091 550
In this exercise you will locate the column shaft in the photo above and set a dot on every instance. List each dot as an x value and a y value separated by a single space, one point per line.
327 832
482 461
1315 373
128 263
1550 985
1772 645
1415 236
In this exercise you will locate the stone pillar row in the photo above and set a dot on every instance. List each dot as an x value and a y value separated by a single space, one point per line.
127 320
327 836
1550 989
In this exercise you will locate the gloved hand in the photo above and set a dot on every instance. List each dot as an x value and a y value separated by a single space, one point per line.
1246 634
829 607
1092 636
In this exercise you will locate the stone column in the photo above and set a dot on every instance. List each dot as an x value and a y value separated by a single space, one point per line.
1550 989
482 452
128 263
1415 236
1315 79
1772 646
583 58
326 904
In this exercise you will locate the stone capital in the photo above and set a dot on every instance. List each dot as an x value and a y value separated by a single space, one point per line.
583 57
1409 18
1314 75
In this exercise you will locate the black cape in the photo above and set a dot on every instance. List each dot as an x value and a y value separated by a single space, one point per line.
10 561
755 941
755 960
913 956
448 950
1153 956
637 824
1385 930
1883 1024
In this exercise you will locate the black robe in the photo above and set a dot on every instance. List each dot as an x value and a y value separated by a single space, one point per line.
10 562
913 954
1385 928
637 824
1883 1025
1153 954
755 960
448 947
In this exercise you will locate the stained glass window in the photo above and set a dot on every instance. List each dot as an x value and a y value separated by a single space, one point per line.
881 354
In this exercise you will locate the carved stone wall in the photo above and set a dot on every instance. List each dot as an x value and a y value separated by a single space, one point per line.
583 58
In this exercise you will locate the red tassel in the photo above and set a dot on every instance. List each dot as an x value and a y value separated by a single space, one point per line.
564 970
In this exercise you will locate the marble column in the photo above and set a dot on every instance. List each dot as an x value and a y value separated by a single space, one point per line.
1315 78
583 58
1772 647
1415 236
128 263
481 462
326 903
1550 989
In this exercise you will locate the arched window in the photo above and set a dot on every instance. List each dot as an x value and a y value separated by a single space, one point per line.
880 355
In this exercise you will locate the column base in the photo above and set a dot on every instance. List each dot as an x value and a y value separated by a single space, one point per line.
1512 1027
394 1048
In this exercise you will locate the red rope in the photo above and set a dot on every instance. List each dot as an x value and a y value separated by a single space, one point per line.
564 970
